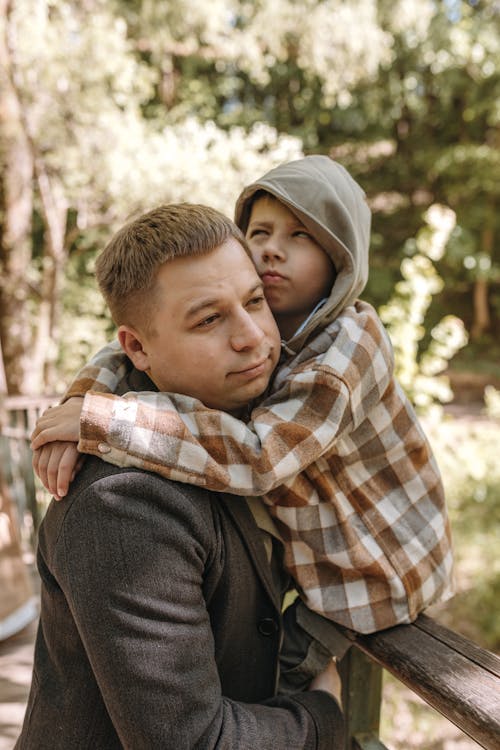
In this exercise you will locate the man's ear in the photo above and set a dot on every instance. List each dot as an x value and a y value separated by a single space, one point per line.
131 343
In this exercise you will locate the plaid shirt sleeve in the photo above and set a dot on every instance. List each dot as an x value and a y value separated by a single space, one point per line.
181 439
102 373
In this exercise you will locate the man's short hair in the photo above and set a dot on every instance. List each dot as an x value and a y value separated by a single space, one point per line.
127 268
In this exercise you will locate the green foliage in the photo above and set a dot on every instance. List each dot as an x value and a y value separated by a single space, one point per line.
467 453
189 101
492 401
438 103
404 316
86 325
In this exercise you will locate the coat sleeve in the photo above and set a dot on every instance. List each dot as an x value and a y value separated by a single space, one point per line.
132 570
181 439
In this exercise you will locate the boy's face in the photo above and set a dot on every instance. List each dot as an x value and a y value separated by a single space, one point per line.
211 334
295 270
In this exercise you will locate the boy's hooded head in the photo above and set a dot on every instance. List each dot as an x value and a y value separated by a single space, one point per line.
285 255
332 207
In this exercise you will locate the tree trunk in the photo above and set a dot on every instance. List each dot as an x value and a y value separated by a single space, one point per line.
482 317
16 208
55 209
481 309
29 341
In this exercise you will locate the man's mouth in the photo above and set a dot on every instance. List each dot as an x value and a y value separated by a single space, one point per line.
253 370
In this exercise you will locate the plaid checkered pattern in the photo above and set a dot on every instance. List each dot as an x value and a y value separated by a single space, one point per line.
337 453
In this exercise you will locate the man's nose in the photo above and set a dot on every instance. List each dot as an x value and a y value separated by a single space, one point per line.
246 333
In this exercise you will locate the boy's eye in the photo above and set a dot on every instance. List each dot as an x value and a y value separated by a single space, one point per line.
255 232
302 233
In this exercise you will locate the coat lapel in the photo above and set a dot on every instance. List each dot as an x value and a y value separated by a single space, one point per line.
237 508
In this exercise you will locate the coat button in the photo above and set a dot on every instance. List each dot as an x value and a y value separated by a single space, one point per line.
103 448
267 626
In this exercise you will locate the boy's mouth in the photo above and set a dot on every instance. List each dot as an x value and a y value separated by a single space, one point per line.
272 277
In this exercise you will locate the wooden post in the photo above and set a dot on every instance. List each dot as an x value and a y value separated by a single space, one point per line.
361 697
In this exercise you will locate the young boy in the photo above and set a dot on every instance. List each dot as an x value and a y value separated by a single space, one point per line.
334 448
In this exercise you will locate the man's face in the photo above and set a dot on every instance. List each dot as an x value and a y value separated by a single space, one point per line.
212 335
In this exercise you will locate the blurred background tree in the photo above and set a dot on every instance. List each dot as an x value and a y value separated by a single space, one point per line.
110 106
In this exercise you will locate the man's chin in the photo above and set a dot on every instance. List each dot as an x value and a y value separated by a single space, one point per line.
255 391
239 399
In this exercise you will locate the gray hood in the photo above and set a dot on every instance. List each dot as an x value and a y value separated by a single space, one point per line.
332 206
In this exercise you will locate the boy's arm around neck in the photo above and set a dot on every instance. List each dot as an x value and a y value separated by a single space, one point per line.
102 373
178 437
181 439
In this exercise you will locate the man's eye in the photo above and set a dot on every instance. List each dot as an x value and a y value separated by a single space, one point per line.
207 321
256 301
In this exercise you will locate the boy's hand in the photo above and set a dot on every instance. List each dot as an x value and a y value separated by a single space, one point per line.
329 681
58 423
56 464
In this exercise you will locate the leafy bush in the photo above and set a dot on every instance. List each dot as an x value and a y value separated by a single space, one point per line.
492 401
418 369
467 452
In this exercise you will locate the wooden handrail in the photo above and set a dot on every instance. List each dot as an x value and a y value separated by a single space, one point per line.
453 675
18 415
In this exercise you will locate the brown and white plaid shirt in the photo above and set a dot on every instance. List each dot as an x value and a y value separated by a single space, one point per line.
337 453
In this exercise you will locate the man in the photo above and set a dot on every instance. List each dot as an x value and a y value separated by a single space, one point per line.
161 617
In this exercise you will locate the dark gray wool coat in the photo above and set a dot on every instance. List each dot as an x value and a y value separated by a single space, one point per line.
161 625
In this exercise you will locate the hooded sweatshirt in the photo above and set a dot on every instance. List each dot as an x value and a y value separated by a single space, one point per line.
334 449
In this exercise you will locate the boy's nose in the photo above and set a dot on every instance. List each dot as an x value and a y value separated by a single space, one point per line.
273 251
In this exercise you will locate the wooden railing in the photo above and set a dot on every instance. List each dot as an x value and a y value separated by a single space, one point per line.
453 675
18 415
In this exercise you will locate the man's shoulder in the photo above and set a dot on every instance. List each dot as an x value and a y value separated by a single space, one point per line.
106 497
96 475
124 518
109 495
